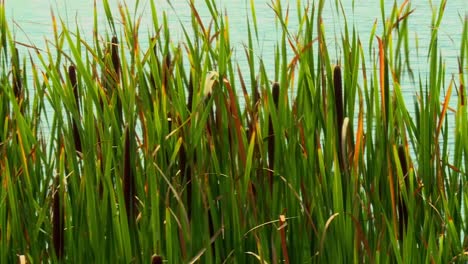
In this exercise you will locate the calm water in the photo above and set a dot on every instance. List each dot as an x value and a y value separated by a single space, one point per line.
30 21
33 19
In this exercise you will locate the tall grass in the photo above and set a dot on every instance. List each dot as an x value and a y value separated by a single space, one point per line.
165 154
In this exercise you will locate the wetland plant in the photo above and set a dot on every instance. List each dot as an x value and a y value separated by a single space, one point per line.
110 154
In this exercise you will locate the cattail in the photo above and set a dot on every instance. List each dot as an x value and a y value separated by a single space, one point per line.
57 222
168 60
462 94
338 96
155 259
115 58
111 72
74 83
275 92
115 76
254 116
128 177
190 93
403 163
402 208
16 79
76 137
338 107
271 135
17 84
166 71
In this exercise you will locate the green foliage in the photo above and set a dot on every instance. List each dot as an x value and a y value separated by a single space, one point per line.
116 154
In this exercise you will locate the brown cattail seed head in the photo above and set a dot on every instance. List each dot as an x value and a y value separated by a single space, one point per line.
402 157
74 83
338 96
115 57
275 92
57 222
155 259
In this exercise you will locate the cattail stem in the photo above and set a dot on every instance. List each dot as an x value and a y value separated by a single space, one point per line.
16 75
115 58
155 259
57 222
166 72
74 83
402 207
115 76
190 93
128 177
462 94
271 136
275 92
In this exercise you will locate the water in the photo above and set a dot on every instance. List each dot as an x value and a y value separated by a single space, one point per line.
33 18
31 23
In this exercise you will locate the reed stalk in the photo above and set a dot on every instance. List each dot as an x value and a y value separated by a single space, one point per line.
58 221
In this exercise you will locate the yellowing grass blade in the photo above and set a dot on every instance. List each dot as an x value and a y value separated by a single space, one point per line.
444 110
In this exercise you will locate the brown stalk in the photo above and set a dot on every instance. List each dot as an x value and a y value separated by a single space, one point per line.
275 92
462 94
57 221
16 70
166 66
155 259
271 135
190 93
74 83
402 207
115 58
128 178
115 76
166 75
337 84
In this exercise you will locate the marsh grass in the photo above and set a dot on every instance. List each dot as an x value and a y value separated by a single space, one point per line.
166 154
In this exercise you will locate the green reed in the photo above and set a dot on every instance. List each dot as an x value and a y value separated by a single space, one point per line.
118 152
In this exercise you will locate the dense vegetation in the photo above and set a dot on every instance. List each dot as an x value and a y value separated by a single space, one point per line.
111 152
